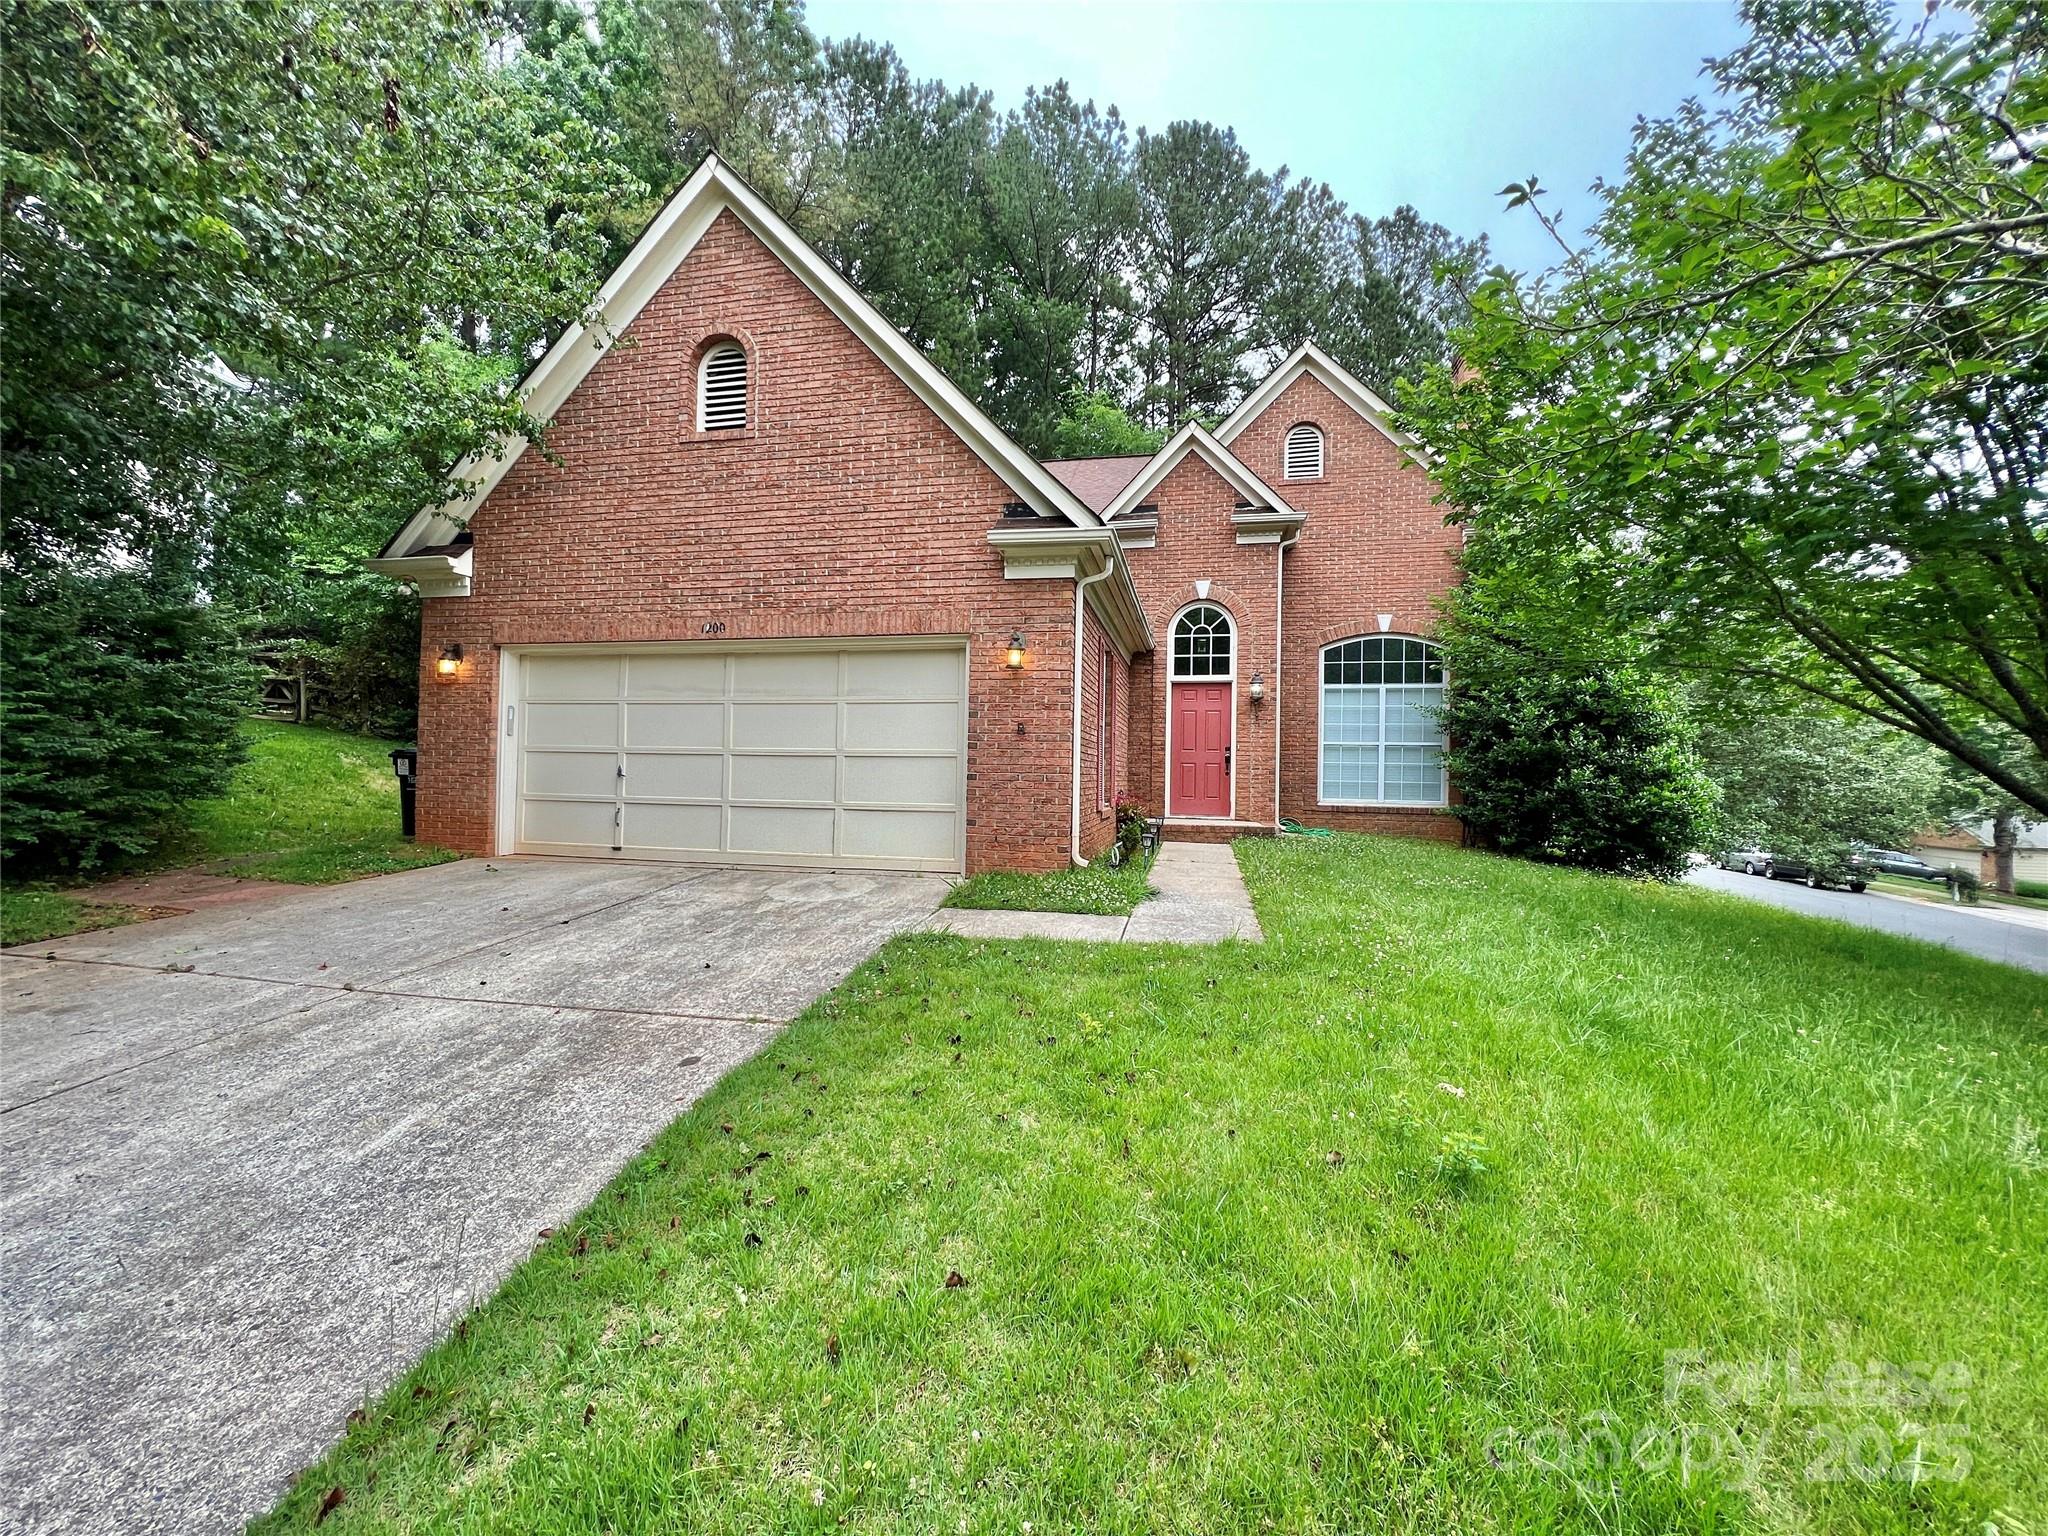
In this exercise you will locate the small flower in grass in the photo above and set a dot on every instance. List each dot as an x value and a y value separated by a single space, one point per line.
1452 1089
817 1496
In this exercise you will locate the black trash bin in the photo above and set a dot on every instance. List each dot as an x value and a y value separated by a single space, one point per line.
405 762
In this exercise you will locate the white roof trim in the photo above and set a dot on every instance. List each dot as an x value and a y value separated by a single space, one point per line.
1039 554
1310 358
1194 438
714 188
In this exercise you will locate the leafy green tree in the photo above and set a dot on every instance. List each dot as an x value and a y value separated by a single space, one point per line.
124 693
1093 424
265 271
1784 416
1058 205
1204 260
1809 784
1564 761
907 229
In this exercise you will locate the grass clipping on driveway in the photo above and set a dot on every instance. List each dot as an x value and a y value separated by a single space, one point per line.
1386 1224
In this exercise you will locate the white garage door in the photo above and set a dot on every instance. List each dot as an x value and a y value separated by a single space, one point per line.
850 757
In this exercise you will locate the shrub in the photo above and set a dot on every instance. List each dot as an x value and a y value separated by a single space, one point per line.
1586 765
123 696
2035 888
1130 829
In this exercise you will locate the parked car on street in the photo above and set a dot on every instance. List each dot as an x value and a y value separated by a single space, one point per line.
1888 861
1854 873
1751 861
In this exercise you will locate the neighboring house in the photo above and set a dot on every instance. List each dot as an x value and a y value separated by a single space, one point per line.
1969 845
779 593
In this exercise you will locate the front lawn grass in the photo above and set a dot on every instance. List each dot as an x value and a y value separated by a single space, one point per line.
1388 1224
1089 888
310 806
31 913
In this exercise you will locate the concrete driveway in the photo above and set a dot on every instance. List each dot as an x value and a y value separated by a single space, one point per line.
254 1160
2013 935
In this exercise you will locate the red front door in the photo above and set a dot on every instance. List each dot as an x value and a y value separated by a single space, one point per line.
1201 750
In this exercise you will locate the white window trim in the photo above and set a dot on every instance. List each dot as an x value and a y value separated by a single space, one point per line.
1105 728
1287 451
718 350
1173 681
1323 797
1172 651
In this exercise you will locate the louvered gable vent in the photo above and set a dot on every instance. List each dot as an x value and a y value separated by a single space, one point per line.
1304 455
722 389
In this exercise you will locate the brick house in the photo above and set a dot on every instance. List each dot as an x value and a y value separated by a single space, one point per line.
779 593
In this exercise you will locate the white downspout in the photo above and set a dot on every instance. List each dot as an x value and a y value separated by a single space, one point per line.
1279 654
1081 586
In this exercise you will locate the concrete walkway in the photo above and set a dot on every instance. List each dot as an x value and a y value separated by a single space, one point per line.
1201 900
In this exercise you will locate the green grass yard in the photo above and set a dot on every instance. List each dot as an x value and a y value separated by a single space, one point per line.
1089 888
308 805
1338 1233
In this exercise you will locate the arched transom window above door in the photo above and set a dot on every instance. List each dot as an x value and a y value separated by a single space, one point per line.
1202 643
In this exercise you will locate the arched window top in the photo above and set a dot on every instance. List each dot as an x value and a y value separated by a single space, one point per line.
1376 659
722 388
1202 643
1303 458
1382 738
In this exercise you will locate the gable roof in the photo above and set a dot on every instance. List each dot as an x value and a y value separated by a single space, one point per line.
714 188
1311 359
1096 480
1194 438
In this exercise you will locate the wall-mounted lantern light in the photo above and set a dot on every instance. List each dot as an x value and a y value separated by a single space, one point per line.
449 664
1258 688
1015 660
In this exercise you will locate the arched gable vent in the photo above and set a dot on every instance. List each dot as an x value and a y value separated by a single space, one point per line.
722 389
1303 459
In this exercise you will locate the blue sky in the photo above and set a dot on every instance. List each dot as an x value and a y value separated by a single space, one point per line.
1438 103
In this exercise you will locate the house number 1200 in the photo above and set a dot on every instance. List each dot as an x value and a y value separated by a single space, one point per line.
715 627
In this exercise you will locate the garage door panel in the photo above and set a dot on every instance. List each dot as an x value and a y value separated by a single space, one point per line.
571 677
675 776
675 677
903 674
673 828
899 834
759 726
779 675
675 725
931 781
572 725
909 727
781 829
763 776
585 775
567 821
836 754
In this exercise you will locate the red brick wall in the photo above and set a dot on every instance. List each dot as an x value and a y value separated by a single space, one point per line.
1374 543
1198 543
1099 790
845 508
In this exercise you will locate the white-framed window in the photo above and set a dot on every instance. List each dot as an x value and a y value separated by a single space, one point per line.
1382 742
1303 457
1202 649
722 389
1105 741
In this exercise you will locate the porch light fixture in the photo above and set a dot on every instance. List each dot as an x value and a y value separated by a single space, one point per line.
1258 688
449 664
1015 660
